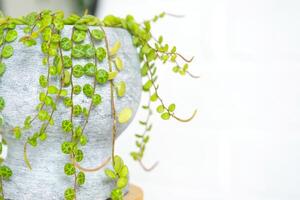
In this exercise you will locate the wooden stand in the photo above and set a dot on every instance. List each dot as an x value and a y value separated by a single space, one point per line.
135 193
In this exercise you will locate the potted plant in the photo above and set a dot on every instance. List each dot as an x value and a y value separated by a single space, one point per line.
68 87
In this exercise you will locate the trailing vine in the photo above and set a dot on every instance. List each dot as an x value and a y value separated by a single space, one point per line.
58 85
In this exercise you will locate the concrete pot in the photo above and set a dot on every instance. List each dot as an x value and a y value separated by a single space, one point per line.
20 88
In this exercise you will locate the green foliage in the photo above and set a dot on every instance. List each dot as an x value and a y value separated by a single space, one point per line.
100 53
69 169
7 51
80 178
2 69
97 34
90 69
2 103
70 194
88 90
5 172
48 26
101 76
119 174
11 35
67 125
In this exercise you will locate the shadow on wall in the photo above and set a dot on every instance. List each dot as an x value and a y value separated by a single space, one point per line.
68 6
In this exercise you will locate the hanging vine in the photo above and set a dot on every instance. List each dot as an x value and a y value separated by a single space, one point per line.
60 57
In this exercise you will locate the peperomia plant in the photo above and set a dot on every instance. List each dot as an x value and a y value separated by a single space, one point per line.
59 85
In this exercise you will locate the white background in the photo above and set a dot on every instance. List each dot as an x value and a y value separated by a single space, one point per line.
244 143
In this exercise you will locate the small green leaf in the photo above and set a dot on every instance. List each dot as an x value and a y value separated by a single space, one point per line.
121 88
2 69
66 147
78 51
96 99
7 51
17 132
147 85
78 71
112 75
66 44
118 163
122 182
115 48
100 53
79 155
43 115
80 178
119 64
5 172
172 107
101 76
97 34
78 35
165 116
160 109
69 169
90 69
111 174
124 115
124 171
11 35
154 97
88 90
67 125
2 103
77 110
52 89
43 81
69 194
77 89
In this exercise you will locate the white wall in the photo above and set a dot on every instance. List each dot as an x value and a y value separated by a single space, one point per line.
244 144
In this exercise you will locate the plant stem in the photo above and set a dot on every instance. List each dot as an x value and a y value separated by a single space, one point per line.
113 109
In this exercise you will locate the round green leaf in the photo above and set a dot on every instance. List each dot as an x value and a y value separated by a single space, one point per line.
125 115
97 34
121 88
11 35
88 90
101 76
100 53
111 174
165 116
78 71
77 89
77 110
67 125
66 44
80 178
79 155
79 35
78 51
96 99
69 194
7 51
122 182
5 172
69 169
90 69
66 147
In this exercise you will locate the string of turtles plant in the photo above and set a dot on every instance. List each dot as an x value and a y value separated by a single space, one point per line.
59 85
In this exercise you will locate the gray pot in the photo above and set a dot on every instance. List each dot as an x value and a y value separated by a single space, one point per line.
20 88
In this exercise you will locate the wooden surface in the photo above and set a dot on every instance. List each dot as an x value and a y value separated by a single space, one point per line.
135 193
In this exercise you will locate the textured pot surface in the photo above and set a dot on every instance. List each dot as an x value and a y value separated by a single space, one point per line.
20 88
